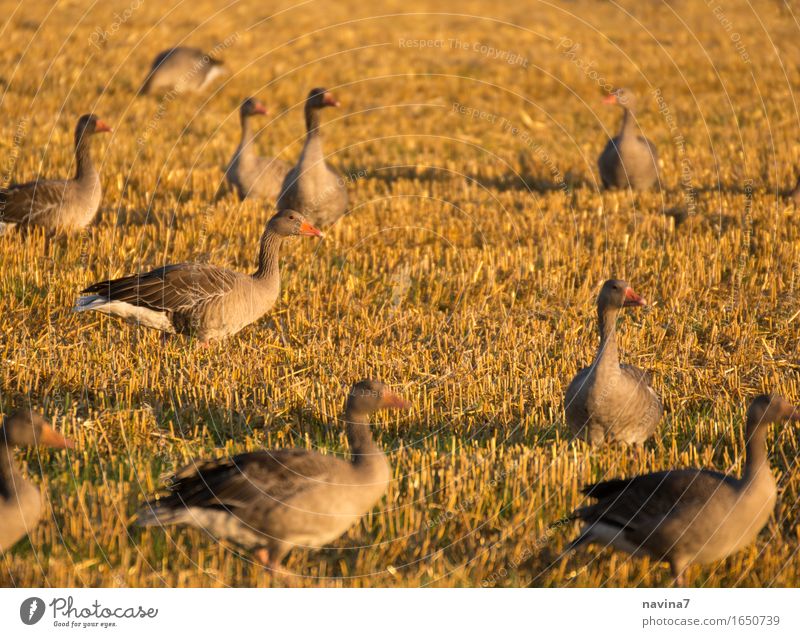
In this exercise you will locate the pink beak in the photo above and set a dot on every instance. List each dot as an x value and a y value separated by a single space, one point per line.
307 230
393 401
328 99
632 299
52 438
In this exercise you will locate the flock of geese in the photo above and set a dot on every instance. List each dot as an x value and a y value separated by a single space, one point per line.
273 500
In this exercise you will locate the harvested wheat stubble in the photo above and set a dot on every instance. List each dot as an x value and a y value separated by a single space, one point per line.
464 276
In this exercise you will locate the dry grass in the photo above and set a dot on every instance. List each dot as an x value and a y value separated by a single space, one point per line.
464 276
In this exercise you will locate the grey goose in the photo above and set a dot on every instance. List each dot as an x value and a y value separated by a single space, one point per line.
59 205
629 159
250 175
270 502
199 299
610 401
689 516
20 499
312 186
181 69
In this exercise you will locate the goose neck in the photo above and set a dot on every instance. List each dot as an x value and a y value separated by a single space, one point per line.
247 139
607 322
83 160
312 121
756 460
6 469
268 255
359 435
629 126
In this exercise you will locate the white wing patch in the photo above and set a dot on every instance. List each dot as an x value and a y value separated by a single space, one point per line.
126 311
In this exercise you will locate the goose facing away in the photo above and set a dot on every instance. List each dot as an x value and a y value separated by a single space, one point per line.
247 173
197 298
689 516
629 159
312 186
609 401
272 501
181 69
60 205
21 500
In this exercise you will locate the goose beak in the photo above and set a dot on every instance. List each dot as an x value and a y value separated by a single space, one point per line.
51 438
632 299
393 401
328 99
307 230
101 127
260 109
610 99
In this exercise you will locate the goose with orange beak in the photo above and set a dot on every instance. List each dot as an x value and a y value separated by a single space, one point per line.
200 299
610 401
20 499
272 501
689 516
629 160
312 186
60 205
252 176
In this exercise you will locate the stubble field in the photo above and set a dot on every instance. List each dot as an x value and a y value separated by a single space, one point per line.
465 274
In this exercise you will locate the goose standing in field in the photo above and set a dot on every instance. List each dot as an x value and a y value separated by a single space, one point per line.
200 299
609 401
689 516
271 501
312 186
629 159
59 205
247 173
21 500
181 69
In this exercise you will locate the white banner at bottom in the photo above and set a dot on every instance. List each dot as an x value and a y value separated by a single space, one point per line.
400 612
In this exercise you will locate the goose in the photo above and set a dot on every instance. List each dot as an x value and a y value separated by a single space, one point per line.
59 205
20 499
629 159
689 516
200 299
247 173
312 186
609 401
272 501
181 69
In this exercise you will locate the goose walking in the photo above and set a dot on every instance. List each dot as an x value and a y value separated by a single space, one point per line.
181 69
312 186
248 174
199 299
689 516
272 501
20 499
629 159
59 205
609 401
